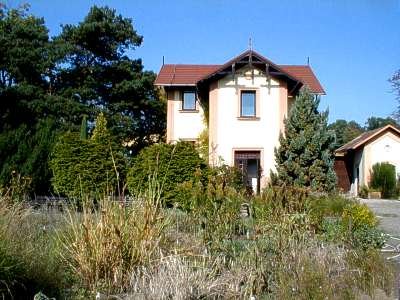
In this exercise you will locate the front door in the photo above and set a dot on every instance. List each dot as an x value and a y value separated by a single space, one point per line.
248 162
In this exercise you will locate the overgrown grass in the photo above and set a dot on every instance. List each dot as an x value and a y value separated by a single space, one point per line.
106 242
29 260
281 250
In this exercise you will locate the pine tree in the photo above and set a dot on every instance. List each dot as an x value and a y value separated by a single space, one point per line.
305 156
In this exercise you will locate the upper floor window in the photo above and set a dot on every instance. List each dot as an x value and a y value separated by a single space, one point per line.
189 100
248 104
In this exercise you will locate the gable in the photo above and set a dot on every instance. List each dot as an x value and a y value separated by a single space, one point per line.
367 138
182 74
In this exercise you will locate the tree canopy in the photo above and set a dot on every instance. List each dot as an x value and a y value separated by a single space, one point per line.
48 86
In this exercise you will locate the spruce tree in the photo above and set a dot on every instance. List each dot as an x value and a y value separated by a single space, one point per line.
305 156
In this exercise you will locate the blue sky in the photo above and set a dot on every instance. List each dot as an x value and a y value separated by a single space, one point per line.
353 46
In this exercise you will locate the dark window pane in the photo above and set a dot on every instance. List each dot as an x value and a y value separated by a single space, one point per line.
248 104
189 100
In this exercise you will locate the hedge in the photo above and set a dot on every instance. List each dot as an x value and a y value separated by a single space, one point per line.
169 164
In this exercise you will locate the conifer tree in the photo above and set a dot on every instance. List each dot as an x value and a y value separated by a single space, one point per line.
305 156
100 131
84 130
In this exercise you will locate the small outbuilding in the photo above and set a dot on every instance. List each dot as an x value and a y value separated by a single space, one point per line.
354 160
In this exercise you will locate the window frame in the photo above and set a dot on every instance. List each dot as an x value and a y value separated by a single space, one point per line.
193 109
253 116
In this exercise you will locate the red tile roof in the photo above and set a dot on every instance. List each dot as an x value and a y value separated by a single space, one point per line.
182 74
306 75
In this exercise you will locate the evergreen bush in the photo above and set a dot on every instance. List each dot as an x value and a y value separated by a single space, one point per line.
305 156
384 179
88 167
171 164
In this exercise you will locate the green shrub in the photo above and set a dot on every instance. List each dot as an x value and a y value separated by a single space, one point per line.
363 192
383 178
366 237
173 164
327 206
359 215
91 167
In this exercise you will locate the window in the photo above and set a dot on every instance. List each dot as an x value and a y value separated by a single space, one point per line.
189 101
248 104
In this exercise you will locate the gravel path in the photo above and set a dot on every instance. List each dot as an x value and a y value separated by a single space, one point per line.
388 213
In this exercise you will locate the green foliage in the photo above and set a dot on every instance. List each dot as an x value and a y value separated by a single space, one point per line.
384 179
203 146
367 237
376 122
84 129
81 71
88 167
348 222
97 72
331 206
172 164
359 215
345 131
305 155
363 192
25 151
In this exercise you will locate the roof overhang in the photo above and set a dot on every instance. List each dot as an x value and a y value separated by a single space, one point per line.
252 58
364 138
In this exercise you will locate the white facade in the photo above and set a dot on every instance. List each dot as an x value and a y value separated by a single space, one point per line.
228 131
385 148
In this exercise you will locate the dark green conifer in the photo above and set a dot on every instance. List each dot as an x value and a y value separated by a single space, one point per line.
305 156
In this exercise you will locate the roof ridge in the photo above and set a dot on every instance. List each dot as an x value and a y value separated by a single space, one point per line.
367 135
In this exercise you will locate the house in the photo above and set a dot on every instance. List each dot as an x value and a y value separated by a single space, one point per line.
242 103
354 160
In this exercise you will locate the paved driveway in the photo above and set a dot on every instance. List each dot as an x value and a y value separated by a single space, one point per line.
388 213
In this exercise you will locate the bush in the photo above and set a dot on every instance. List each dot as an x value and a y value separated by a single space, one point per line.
91 167
327 206
173 164
359 215
384 178
363 193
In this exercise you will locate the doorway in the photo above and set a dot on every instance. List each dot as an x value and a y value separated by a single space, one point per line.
248 162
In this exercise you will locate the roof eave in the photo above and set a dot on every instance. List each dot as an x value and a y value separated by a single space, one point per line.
174 84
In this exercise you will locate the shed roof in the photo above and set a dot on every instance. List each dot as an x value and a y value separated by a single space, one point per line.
365 138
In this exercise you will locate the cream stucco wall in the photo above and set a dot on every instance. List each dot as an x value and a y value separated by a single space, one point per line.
384 149
183 125
228 132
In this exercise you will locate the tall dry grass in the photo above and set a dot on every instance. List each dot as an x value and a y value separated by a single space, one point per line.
108 241
29 260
